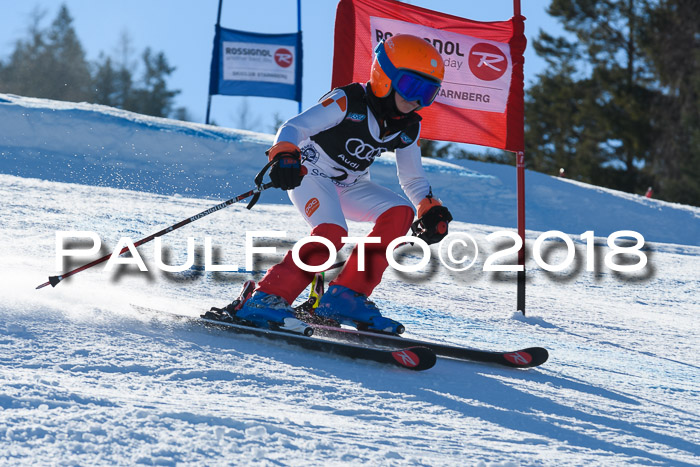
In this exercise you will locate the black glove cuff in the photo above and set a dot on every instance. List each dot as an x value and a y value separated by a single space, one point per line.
433 226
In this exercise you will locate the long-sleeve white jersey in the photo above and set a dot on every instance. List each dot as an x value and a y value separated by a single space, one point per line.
341 137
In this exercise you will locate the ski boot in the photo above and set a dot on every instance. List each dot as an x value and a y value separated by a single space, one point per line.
228 313
354 309
269 311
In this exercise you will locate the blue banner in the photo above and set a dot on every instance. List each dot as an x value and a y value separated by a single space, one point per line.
253 64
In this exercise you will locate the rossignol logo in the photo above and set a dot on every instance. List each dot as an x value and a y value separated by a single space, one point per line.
487 62
208 211
406 358
518 358
445 47
405 138
284 58
355 117
247 51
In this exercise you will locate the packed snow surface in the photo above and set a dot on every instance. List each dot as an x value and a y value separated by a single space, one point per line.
86 378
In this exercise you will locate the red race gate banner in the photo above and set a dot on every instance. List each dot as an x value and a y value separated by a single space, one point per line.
481 100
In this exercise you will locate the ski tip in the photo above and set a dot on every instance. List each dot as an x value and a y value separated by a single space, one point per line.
526 358
415 358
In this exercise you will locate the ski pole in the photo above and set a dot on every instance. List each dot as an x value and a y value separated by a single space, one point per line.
54 280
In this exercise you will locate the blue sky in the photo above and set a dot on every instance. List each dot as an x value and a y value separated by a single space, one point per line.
184 31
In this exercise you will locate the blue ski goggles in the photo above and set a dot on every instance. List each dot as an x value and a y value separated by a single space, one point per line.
408 84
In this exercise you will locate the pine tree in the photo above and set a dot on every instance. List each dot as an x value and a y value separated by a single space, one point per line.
50 63
104 83
70 78
25 71
589 112
154 98
671 37
125 64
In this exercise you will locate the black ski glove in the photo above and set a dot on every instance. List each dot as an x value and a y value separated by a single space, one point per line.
286 170
431 227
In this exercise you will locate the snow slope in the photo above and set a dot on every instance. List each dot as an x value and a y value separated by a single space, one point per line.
85 378
102 146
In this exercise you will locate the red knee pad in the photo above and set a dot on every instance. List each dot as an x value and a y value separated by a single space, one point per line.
392 224
315 253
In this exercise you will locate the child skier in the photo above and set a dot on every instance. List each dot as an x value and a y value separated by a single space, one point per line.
337 140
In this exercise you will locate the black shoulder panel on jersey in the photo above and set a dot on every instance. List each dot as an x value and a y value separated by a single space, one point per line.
350 143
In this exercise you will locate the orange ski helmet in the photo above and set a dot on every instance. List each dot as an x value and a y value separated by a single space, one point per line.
409 65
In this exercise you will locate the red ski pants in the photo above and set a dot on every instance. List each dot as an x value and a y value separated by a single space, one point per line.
288 280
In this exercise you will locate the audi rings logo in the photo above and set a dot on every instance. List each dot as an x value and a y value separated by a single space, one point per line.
360 150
